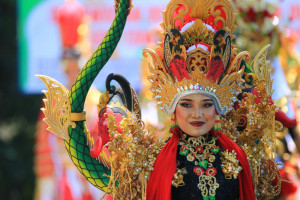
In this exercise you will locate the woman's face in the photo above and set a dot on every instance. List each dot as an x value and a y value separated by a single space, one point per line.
195 114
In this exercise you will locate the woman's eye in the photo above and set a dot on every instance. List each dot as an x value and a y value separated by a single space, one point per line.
186 105
208 105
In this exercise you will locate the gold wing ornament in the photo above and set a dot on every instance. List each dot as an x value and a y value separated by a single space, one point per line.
57 107
136 105
252 125
262 68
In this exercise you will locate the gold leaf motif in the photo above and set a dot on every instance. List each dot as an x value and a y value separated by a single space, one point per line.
199 9
103 100
168 17
133 153
155 61
235 64
173 88
167 50
57 107
262 68
178 178
198 59
199 36
136 105
198 29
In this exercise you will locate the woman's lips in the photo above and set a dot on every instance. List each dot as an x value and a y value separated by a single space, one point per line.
197 123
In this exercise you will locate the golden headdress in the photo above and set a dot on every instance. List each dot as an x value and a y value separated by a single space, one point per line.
197 56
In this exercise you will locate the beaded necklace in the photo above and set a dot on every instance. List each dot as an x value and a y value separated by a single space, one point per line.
202 153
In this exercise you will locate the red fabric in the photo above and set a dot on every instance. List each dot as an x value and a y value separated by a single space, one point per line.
69 16
43 163
159 188
287 188
87 197
287 122
245 179
64 188
159 185
108 197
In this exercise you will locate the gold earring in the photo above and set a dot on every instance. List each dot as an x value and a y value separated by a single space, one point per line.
173 119
217 125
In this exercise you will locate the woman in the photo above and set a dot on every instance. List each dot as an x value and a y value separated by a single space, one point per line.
196 116
222 96
194 169
216 96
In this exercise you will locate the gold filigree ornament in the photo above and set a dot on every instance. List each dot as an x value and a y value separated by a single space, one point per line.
178 178
252 125
103 100
256 135
230 164
199 9
133 153
196 30
57 108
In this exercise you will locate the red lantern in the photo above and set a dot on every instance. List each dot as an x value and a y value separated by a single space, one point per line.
70 16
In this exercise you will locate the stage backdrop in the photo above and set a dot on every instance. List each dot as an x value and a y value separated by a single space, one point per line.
40 46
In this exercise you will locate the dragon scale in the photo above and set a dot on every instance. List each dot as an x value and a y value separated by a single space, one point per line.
77 146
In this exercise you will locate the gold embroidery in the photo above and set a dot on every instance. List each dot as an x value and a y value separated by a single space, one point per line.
201 152
208 180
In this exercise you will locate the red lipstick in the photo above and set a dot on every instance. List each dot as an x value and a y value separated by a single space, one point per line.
197 123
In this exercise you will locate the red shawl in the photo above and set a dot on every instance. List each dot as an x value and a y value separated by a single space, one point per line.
159 185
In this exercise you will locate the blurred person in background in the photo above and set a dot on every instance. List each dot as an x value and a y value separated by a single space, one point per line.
258 26
56 176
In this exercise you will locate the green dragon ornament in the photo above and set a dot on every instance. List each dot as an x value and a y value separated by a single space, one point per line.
64 109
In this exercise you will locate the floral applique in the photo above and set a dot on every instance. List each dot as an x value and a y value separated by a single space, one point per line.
202 153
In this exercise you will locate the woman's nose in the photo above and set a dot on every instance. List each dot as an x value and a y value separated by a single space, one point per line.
198 112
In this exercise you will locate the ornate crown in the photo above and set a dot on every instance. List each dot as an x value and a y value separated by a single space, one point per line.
196 56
